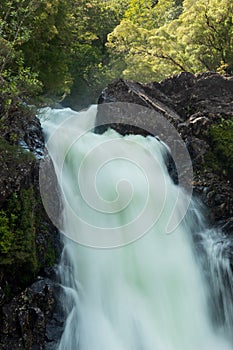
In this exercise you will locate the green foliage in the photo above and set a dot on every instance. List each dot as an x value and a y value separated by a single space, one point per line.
17 219
34 46
52 47
16 79
7 224
206 30
47 49
141 13
21 222
222 141
190 36
17 232
13 154
151 14
89 61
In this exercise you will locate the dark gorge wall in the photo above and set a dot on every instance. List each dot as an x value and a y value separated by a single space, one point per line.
29 244
201 109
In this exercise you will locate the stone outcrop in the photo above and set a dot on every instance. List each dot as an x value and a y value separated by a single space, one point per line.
29 317
31 320
193 104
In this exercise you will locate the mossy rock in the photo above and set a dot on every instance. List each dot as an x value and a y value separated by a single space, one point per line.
17 236
21 258
221 157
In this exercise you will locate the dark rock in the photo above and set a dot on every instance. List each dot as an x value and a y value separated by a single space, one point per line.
22 133
192 103
26 313
16 170
24 319
197 149
27 319
228 225
206 92
2 296
133 93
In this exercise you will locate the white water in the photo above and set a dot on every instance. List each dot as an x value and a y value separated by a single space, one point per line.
147 295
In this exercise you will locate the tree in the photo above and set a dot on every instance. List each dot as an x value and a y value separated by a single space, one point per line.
206 31
188 36
16 79
151 14
52 46
130 44
48 48
92 22
141 13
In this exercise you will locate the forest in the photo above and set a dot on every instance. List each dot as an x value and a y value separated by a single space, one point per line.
54 50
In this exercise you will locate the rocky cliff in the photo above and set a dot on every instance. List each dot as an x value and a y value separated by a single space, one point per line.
201 109
29 243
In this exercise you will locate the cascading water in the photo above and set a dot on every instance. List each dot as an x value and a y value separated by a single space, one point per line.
146 295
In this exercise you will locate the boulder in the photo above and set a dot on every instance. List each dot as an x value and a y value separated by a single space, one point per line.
192 103
28 321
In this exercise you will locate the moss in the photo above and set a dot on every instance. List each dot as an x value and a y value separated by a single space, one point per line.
6 232
17 223
50 257
26 236
20 257
220 159
14 153
17 232
211 161
17 227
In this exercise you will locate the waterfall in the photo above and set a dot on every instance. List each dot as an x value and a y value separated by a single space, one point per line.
148 291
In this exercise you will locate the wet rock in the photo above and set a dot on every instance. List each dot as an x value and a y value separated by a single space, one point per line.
26 319
197 149
25 313
206 92
128 118
228 225
192 103
21 144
